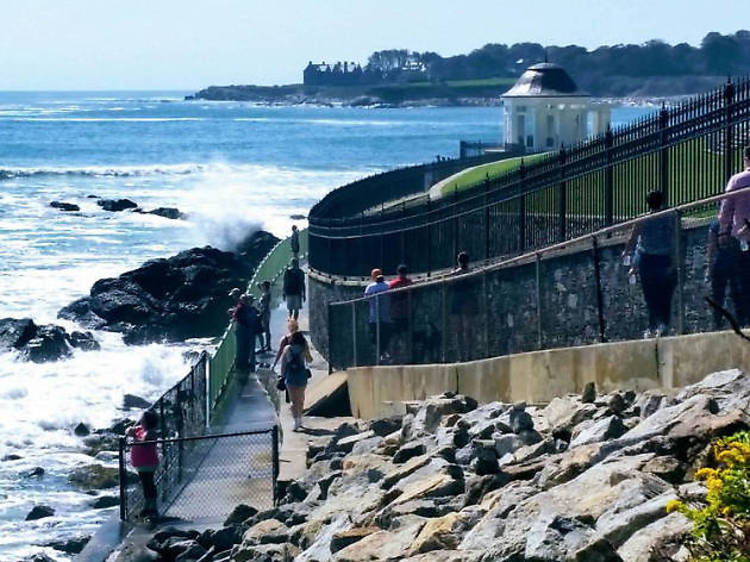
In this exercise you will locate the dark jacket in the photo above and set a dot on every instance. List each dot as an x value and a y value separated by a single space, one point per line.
294 281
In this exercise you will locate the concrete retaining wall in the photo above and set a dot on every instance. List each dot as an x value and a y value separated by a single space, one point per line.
539 376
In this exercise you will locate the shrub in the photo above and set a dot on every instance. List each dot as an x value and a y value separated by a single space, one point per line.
721 524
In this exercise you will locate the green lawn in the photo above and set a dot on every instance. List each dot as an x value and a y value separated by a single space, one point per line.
477 175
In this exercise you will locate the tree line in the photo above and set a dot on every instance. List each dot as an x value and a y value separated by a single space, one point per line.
717 55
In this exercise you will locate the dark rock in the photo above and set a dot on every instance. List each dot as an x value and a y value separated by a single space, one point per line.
240 514
12 457
167 212
70 546
385 426
666 468
116 205
16 333
185 296
607 428
529 436
485 458
81 430
38 557
616 404
520 420
40 512
91 196
408 451
67 207
84 340
295 491
50 343
36 472
104 502
222 539
131 401
589 393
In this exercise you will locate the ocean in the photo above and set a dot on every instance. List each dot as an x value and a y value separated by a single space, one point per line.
231 167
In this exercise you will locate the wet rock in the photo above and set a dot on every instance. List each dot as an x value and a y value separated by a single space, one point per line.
39 512
185 296
49 343
70 546
36 472
131 401
63 206
81 430
12 457
104 502
16 333
84 341
167 212
116 205
221 539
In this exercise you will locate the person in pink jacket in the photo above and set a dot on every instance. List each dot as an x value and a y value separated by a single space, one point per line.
145 459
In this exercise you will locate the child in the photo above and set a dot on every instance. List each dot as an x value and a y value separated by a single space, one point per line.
145 459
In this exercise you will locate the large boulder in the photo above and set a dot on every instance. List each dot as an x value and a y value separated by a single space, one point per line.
63 206
43 343
185 296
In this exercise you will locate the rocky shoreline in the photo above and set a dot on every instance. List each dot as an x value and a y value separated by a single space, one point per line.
173 299
584 478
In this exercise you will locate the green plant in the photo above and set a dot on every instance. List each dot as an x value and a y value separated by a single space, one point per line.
721 524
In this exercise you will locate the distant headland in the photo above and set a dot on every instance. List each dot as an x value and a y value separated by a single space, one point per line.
399 77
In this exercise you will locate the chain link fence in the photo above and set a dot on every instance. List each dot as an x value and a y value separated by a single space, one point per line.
648 277
201 479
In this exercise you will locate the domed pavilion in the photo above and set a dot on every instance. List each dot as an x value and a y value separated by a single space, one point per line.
545 110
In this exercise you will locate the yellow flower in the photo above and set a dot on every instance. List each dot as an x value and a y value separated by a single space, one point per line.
673 505
705 473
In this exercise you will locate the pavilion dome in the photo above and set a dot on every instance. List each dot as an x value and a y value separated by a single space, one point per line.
545 79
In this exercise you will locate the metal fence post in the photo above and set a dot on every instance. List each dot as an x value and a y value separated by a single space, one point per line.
410 329
728 103
429 239
609 182
443 304
208 388
664 154
486 314
123 480
563 196
486 219
679 271
329 327
599 291
275 462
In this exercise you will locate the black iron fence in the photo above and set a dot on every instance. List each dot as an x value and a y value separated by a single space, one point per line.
583 291
183 409
201 479
687 152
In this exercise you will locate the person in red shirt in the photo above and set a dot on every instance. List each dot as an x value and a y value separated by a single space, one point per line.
145 459
400 308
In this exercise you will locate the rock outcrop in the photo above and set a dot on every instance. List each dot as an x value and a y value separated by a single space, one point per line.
185 296
116 205
583 478
63 206
43 343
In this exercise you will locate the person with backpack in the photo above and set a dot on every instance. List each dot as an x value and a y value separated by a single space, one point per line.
294 288
295 373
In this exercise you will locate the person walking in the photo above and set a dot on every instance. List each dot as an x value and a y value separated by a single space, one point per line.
265 316
145 459
294 289
294 241
463 307
295 373
291 326
650 247
722 272
379 318
246 321
400 308
734 231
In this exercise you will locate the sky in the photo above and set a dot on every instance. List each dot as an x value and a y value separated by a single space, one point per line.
190 44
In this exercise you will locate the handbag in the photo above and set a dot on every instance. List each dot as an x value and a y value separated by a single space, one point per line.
308 373
280 384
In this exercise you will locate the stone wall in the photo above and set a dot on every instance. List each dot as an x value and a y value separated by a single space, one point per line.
534 304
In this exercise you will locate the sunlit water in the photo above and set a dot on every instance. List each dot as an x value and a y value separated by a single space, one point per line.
229 166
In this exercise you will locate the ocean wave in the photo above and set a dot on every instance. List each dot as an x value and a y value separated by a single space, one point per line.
104 171
104 119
